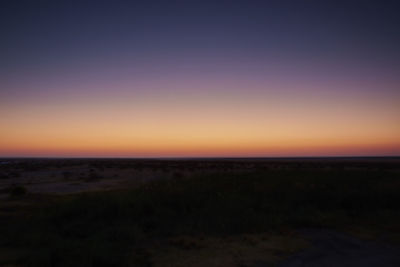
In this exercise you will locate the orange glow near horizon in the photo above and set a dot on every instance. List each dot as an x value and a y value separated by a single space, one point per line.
172 124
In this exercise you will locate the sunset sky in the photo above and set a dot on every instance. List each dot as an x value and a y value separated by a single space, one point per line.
199 79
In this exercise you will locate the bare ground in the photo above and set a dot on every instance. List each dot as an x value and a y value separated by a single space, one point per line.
332 248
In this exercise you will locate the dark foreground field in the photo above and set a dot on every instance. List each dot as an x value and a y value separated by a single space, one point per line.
231 212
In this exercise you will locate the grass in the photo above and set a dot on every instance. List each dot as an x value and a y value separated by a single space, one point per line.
121 228
237 250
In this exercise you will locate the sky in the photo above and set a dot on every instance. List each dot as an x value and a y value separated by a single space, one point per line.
199 78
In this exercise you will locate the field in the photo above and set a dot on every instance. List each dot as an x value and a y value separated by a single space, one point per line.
189 212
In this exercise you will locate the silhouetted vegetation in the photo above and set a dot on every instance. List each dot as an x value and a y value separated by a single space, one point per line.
4 176
17 190
115 228
93 176
66 175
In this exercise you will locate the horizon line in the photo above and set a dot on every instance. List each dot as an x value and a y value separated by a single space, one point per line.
206 157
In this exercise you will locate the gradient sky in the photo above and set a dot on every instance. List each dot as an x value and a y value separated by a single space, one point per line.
198 78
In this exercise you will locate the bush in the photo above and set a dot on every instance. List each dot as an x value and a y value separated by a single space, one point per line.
14 174
4 176
18 190
66 175
93 176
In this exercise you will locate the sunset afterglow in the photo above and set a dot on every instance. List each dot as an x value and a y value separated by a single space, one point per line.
205 81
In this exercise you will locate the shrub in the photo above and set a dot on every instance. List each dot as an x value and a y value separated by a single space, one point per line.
14 174
93 176
4 176
18 190
66 175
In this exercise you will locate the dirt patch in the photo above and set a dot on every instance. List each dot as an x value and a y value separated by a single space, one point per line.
333 248
236 251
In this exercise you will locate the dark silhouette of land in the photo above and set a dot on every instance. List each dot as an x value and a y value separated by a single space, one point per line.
200 212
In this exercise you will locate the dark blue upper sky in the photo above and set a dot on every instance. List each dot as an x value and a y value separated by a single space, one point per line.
67 31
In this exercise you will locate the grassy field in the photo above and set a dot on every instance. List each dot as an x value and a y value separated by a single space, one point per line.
224 217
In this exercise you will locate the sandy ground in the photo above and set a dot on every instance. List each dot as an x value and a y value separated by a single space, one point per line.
314 248
332 248
54 181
